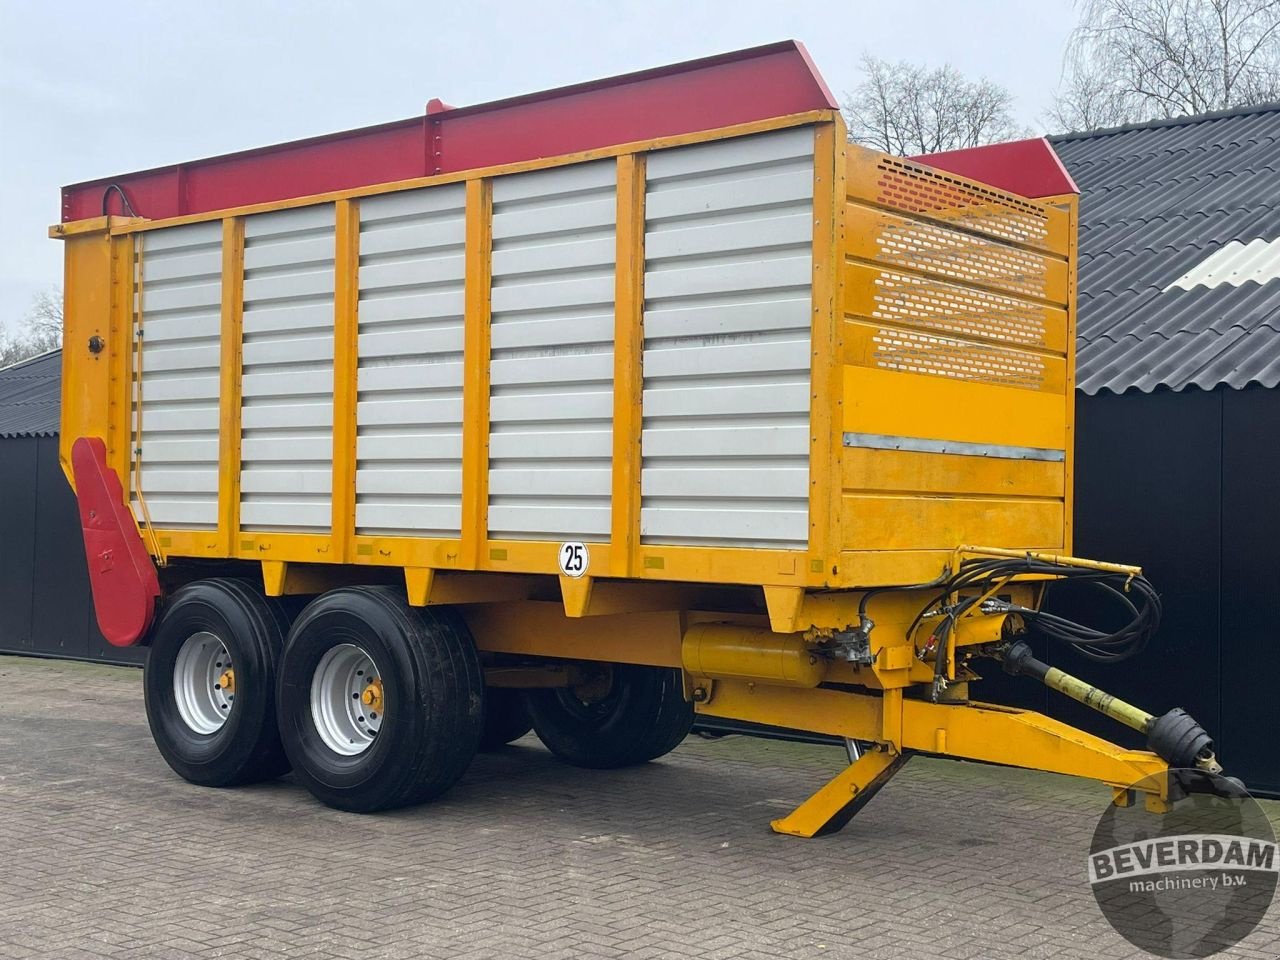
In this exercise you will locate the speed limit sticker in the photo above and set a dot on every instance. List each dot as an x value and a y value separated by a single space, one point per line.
574 558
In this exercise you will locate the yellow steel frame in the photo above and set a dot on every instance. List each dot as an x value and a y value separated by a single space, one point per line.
638 603
346 334
1071 203
899 726
824 420
420 558
835 558
229 387
995 259
872 704
869 704
475 389
627 351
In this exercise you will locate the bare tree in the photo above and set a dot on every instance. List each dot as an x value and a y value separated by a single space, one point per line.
1133 60
44 319
905 109
1088 100
40 332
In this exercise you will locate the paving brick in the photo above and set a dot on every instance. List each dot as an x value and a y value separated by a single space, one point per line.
108 854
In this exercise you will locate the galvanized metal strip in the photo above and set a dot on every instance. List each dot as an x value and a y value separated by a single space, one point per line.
878 441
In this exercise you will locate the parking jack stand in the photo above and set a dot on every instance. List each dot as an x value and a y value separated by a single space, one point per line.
841 798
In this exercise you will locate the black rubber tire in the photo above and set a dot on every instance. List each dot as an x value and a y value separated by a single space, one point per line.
247 748
506 717
644 716
434 690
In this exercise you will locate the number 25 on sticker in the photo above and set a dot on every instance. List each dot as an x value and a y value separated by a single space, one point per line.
574 558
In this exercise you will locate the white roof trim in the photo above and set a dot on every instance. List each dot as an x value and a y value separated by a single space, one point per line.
1236 263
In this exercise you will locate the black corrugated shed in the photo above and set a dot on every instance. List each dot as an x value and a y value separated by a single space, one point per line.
1158 201
45 604
29 397
1177 415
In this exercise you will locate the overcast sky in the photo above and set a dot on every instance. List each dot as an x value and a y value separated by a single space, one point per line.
89 89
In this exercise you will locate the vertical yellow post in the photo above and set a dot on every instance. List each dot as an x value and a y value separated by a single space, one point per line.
891 718
628 348
346 335
825 389
475 385
232 349
98 280
1068 513
124 268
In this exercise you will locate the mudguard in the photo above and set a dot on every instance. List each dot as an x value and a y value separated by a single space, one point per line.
121 573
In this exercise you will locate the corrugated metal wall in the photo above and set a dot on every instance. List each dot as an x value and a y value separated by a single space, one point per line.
409 409
45 605
551 370
287 384
728 309
181 351
728 243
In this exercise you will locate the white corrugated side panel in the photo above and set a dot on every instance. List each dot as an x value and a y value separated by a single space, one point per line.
409 411
181 323
551 411
728 311
287 386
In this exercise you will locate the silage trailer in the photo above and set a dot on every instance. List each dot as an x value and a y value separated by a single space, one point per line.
590 411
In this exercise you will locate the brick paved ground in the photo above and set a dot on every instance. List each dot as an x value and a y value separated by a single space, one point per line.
107 854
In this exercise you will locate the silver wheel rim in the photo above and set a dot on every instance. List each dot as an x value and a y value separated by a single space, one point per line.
204 683
347 699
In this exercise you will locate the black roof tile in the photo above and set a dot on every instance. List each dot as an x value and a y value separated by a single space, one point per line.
30 397
1156 200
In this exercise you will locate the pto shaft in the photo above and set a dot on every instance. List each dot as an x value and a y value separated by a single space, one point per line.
1175 737
1019 661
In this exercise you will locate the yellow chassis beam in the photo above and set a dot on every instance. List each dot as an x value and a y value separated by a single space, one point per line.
900 726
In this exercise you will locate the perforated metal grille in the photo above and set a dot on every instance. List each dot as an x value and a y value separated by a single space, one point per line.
911 352
933 249
921 302
905 186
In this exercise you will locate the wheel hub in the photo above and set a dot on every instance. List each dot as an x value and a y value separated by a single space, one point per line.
347 699
372 696
204 685
594 687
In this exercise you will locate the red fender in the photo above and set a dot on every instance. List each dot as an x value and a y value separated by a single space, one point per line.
121 573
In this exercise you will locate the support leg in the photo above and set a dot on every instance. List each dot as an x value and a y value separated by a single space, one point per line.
836 803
